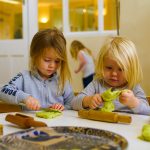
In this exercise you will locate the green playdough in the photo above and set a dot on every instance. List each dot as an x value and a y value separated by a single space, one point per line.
108 96
145 133
48 113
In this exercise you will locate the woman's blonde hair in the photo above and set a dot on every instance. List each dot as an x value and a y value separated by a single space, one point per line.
123 51
76 46
46 39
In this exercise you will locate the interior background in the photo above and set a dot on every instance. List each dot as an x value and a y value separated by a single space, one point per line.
134 24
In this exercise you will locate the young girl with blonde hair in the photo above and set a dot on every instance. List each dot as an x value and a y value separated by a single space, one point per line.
117 67
86 61
46 84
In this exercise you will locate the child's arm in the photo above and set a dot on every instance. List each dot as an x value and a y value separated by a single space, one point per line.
13 92
82 62
93 88
92 101
139 103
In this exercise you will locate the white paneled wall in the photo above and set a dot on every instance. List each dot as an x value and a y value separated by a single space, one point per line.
135 24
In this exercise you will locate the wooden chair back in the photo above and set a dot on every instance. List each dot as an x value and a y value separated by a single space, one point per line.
148 98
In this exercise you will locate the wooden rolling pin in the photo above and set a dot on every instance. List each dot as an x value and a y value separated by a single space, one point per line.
104 116
5 107
24 121
1 129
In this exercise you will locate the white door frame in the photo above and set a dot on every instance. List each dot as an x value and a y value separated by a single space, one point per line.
17 50
32 18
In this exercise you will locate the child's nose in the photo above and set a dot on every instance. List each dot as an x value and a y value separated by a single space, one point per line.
114 72
52 64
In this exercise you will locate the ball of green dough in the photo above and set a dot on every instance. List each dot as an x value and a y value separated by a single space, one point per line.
146 132
108 96
108 107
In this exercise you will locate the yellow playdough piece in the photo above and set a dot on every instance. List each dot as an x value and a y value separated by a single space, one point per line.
48 113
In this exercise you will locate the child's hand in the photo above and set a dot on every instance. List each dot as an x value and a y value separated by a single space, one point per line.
32 103
57 106
92 101
127 98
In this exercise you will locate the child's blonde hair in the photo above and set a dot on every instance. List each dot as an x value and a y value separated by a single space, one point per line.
44 40
76 46
123 51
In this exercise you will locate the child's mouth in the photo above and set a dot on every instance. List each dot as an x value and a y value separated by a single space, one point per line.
113 80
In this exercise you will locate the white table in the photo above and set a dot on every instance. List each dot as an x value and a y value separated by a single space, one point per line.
70 118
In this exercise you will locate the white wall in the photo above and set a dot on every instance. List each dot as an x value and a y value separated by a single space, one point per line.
135 25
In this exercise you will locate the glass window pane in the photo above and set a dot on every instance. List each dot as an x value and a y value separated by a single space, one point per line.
109 12
83 15
11 19
50 14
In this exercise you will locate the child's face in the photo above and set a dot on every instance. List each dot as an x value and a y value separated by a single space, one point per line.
48 63
113 75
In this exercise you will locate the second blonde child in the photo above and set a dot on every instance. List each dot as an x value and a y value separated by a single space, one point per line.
118 68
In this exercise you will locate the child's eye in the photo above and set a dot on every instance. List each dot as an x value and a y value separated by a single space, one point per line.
108 67
57 61
46 60
120 69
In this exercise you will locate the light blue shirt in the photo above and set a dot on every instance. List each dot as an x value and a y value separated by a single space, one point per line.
46 91
96 87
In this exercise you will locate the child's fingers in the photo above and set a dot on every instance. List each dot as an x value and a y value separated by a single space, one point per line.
61 108
123 96
35 105
125 92
98 101
94 105
123 100
58 106
53 106
32 103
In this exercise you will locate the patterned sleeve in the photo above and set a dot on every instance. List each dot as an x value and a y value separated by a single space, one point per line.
143 108
13 92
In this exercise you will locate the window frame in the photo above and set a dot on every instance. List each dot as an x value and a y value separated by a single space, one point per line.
100 31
